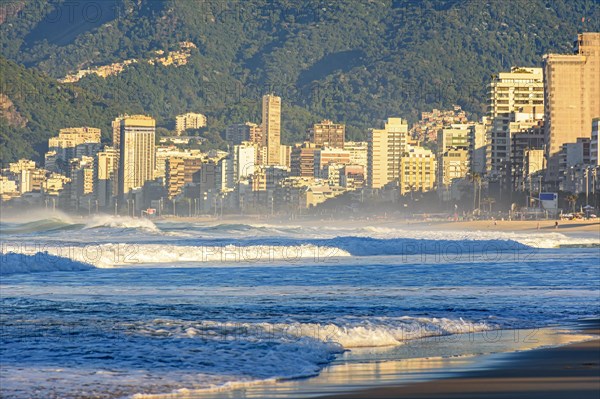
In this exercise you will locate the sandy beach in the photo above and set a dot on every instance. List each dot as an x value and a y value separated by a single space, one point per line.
514 225
571 371
592 225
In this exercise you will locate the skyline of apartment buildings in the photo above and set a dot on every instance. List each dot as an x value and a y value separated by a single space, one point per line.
506 149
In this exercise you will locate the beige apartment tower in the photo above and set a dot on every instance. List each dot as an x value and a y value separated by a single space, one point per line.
271 127
137 155
417 170
572 95
385 149
189 121
105 178
515 97
326 133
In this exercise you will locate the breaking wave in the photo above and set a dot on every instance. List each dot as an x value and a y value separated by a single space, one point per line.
64 222
266 250
17 263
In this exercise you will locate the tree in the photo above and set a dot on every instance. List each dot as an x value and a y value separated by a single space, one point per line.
572 199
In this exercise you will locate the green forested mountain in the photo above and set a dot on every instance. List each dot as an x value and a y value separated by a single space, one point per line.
353 61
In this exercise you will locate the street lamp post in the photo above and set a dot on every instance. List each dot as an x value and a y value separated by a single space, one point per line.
587 185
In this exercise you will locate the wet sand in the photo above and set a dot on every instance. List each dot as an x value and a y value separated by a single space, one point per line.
571 371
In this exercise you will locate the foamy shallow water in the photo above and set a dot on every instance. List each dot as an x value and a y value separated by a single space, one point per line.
165 308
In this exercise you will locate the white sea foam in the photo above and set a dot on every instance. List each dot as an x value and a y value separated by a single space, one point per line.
310 345
347 333
110 255
289 250
124 222
531 239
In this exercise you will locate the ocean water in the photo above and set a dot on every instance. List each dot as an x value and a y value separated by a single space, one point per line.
109 307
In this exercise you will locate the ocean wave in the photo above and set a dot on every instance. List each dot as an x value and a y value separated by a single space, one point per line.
346 333
44 225
18 263
295 349
530 239
64 222
267 250
360 236
110 255
121 222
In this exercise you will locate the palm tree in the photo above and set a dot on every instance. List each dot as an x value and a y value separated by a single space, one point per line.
572 199
476 179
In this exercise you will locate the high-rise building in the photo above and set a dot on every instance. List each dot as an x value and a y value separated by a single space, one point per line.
325 156
73 142
573 163
417 169
453 154
82 179
27 176
358 152
116 132
499 149
271 127
385 149
105 178
516 99
164 152
71 137
594 150
248 131
302 160
327 134
244 160
477 148
225 174
137 155
572 95
352 176
174 176
510 91
181 170
527 144
285 153
189 121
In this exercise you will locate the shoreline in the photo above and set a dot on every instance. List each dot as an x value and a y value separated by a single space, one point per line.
444 365
545 226
569 371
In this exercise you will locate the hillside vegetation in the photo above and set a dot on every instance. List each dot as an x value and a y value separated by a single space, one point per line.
355 62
